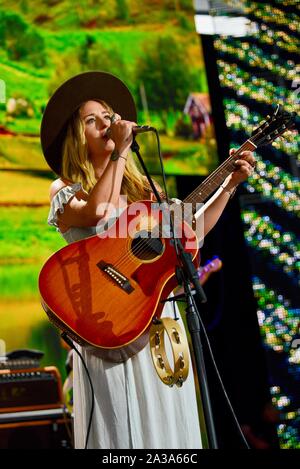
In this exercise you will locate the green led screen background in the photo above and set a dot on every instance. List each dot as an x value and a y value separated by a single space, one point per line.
154 48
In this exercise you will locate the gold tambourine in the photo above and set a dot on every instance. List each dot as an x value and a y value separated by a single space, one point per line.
179 347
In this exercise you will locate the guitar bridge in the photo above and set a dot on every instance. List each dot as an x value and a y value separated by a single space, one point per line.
119 279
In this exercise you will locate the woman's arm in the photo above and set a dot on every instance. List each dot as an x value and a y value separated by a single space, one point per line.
219 201
87 210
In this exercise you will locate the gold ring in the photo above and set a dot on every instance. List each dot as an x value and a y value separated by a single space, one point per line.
179 346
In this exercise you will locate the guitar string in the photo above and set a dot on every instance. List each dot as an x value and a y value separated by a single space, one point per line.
124 261
228 163
248 145
140 248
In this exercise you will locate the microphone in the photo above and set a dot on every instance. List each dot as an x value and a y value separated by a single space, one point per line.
139 129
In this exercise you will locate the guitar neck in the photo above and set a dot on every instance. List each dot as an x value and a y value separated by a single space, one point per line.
213 181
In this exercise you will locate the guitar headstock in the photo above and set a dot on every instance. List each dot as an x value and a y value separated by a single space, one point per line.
212 266
273 127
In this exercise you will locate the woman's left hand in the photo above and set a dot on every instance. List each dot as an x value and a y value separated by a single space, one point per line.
245 167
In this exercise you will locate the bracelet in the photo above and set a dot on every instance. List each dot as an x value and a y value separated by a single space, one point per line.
116 155
231 192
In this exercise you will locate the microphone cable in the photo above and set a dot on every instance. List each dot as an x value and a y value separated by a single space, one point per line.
215 366
67 339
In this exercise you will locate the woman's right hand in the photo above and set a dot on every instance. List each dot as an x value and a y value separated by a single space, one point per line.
120 131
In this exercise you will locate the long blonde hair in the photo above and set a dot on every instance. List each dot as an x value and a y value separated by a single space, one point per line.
77 167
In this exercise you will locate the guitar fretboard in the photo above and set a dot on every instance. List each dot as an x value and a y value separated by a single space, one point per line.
210 184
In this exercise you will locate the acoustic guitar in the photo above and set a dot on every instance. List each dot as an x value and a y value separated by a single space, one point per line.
105 290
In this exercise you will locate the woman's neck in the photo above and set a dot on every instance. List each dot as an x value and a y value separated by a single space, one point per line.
99 164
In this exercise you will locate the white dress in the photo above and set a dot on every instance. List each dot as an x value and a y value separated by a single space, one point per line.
133 408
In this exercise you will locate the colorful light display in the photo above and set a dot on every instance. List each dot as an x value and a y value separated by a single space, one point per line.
257 72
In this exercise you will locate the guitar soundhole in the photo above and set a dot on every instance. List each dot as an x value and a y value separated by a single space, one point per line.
146 248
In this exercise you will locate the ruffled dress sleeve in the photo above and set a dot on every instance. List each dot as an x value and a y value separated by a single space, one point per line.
60 199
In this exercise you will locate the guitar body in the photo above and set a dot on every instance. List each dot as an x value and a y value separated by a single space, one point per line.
105 290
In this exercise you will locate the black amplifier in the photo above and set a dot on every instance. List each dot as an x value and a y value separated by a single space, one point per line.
36 429
30 389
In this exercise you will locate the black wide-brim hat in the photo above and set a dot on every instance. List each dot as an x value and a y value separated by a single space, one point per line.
69 96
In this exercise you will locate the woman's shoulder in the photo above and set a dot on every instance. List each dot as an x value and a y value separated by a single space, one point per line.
62 189
56 186
60 183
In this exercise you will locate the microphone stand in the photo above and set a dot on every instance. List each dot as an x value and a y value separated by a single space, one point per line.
186 274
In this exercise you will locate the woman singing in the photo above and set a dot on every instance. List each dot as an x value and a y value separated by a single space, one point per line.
86 136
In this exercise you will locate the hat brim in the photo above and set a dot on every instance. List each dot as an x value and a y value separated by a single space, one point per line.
69 96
